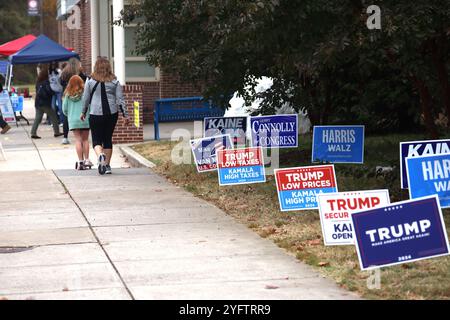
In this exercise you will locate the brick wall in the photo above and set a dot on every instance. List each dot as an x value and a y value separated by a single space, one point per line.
173 87
150 93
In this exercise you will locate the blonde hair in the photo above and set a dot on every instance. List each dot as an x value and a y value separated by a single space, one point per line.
103 70
72 68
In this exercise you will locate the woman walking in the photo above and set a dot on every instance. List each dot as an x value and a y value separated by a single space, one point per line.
72 108
103 99
54 75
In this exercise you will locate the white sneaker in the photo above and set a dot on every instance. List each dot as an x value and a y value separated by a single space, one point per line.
65 141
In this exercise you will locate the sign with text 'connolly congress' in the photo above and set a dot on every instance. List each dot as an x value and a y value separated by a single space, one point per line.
429 175
236 127
419 148
278 131
240 166
338 144
298 187
335 211
401 232
204 151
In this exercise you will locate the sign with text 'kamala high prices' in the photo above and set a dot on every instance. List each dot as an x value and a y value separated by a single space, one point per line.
236 127
402 232
335 211
298 187
338 144
419 148
240 166
204 151
429 175
278 131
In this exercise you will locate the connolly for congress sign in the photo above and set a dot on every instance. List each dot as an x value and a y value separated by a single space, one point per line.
240 166
336 208
204 151
338 144
401 232
236 127
280 131
298 187
419 148
429 175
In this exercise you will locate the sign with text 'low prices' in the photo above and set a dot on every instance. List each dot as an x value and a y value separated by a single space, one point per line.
429 175
279 131
401 232
338 144
419 148
298 187
236 127
336 208
240 166
204 151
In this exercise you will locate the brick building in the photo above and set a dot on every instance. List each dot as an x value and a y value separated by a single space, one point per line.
86 26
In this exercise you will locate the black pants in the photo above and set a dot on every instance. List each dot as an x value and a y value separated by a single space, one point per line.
2 122
102 128
65 127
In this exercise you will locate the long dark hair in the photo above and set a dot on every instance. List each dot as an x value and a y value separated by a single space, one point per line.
43 74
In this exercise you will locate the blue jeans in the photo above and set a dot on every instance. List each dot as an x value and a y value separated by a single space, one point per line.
57 105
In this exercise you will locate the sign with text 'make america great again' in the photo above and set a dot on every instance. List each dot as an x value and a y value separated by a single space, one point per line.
335 211
429 175
278 131
204 151
419 148
401 232
298 187
240 166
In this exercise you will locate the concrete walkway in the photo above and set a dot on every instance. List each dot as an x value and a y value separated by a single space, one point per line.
75 235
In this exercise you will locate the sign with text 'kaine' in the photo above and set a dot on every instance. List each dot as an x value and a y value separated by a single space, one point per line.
236 127
335 213
279 131
402 232
338 144
240 166
429 175
419 148
298 187
204 151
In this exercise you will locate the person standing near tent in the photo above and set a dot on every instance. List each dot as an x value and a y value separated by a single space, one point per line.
43 104
72 68
55 84
103 99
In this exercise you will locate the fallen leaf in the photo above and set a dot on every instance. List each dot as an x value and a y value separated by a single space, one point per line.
323 264
65 289
271 287
314 242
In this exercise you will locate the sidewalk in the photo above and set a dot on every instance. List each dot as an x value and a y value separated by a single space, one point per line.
132 235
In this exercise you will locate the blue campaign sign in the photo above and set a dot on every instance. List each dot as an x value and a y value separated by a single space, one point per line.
204 151
338 144
236 127
401 232
429 175
417 149
4 67
278 131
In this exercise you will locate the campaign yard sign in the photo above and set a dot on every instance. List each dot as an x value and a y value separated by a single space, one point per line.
204 151
338 144
402 232
419 148
278 131
335 211
240 166
429 175
6 108
298 187
236 127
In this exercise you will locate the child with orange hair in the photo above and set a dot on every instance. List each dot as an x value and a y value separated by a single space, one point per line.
72 108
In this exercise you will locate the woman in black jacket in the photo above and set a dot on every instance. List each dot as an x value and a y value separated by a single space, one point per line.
43 104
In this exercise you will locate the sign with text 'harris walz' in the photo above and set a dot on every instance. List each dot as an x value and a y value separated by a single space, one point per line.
338 144
298 187
240 166
429 175
401 232
277 131
335 211
411 149
204 151
236 127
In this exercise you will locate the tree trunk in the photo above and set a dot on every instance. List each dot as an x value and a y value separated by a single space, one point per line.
426 104
442 75
327 108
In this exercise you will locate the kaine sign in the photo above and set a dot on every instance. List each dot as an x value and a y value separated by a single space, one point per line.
419 148
338 144
429 175
298 187
236 127
401 232
204 151
279 131
240 166
335 211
